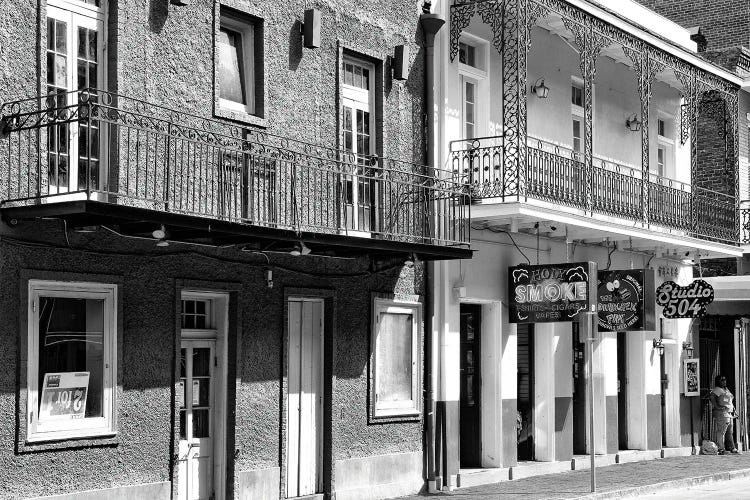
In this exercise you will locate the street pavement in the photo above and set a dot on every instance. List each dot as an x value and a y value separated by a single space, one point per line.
610 479
735 488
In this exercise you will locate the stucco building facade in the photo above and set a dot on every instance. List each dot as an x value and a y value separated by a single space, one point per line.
215 229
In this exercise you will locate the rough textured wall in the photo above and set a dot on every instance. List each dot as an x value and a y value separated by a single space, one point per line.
165 54
142 451
725 23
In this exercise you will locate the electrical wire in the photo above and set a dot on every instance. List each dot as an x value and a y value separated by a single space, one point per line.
609 256
494 230
193 253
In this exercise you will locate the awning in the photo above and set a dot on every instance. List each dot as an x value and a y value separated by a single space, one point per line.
731 296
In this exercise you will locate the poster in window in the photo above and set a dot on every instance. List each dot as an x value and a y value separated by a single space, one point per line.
691 369
64 396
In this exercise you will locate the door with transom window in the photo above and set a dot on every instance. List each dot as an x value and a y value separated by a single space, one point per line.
358 138
201 397
195 449
74 61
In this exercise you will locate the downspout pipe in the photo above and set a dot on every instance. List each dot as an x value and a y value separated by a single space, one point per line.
431 24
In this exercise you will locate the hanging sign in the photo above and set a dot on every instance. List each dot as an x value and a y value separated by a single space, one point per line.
684 301
551 292
626 300
64 396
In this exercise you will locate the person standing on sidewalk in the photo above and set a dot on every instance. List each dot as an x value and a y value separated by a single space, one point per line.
722 413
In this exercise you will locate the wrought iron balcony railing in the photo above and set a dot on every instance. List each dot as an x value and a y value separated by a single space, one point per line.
557 174
100 146
745 222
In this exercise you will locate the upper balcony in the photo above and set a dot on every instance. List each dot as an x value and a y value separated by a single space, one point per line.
95 158
566 114
554 177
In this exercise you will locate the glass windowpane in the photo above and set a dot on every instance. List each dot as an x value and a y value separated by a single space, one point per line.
201 362
200 424
61 37
71 336
394 358
231 77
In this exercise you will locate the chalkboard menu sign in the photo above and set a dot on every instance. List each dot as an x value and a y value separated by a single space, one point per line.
684 301
551 292
626 300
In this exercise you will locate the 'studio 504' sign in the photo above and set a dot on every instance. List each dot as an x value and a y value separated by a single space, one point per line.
684 301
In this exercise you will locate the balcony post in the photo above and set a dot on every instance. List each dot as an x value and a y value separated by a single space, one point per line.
515 42
646 67
735 159
591 45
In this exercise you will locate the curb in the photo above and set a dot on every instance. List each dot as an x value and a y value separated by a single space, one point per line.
668 485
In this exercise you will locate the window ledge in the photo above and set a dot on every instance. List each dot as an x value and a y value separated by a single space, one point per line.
91 440
239 116
405 416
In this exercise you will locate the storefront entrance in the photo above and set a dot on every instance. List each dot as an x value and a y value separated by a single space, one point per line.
470 409
622 391
579 391
304 449
525 392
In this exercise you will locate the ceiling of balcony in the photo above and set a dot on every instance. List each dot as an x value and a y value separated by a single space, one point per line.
597 230
554 24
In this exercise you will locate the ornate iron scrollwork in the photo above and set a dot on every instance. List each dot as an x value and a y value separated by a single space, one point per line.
460 18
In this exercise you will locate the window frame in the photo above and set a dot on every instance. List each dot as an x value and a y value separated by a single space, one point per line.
667 143
358 99
246 30
465 81
104 426
77 14
406 408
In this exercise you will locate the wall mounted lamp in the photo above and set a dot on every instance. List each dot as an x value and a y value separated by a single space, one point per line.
311 29
688 348
400 62
160 233
659 344
633 123
300 249
540 89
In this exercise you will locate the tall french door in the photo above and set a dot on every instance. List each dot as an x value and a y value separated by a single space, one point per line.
74 61
305 398
358 140
196 396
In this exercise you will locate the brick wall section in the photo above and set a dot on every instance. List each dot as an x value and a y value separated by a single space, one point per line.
714 171
725 23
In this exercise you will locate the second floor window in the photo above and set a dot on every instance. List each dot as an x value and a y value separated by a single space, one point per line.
235 49
470 102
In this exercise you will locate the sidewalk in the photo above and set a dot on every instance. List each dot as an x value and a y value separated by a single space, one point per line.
614 481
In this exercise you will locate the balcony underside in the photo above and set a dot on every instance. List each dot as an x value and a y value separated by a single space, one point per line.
136 221
580 226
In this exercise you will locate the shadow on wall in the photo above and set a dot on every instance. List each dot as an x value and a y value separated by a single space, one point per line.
295 45
157 14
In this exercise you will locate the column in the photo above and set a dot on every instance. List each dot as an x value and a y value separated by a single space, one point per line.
446 331
637 359
509 391
608 348
492 402
513 54
544 391
674 334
